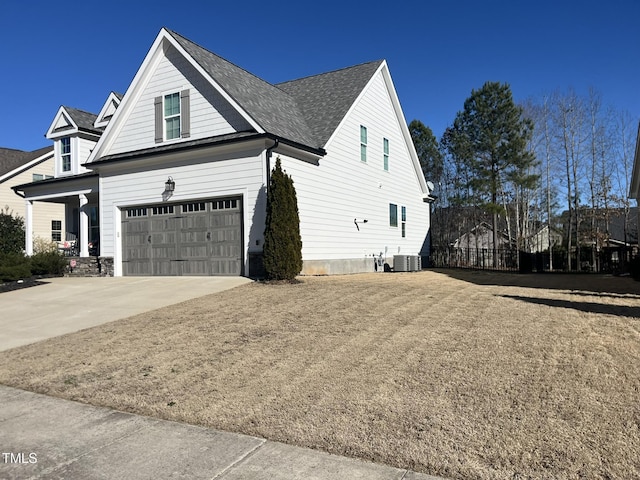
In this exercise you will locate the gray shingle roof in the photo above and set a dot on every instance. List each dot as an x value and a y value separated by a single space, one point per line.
84 120
270 107
10 158
306 111
325 99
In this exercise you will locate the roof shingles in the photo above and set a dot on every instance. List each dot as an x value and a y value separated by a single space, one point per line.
11 159
306 111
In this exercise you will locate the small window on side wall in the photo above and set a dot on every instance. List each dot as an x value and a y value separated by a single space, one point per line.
393 215
403 218
363 144
385 157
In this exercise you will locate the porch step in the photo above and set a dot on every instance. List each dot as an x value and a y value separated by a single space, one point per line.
89 267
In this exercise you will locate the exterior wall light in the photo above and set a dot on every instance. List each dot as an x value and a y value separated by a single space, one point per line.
169 185
356 221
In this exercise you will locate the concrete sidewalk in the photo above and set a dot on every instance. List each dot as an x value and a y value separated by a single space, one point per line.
68 304
48 438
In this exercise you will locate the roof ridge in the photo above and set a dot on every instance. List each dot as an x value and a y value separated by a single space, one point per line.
173 32
79 110
273 109
329 72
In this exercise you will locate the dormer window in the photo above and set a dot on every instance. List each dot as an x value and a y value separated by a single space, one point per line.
65 153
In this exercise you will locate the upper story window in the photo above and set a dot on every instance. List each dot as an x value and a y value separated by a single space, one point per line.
363 143
172 116
65 153
385 157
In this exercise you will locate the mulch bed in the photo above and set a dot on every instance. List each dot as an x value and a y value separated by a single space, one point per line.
17 285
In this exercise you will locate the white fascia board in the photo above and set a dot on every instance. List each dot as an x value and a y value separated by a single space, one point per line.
51 196
100 121
140 80
404 128
27 166
61 113
215 85
129 99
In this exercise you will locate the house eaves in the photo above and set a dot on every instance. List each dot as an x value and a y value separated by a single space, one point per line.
52 181
217 141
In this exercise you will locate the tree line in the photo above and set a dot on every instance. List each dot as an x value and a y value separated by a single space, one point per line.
561 161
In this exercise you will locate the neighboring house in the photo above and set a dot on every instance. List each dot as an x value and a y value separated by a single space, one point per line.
178 177
543 237
481 237
614 227
18 167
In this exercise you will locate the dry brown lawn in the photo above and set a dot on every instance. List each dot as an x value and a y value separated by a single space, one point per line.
460 374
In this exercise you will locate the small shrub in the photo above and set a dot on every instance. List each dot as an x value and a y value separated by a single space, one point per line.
48 263
43 245
14 266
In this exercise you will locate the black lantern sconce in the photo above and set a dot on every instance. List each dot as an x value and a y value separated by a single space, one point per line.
169 186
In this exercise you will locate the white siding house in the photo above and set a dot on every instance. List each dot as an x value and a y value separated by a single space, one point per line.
183 164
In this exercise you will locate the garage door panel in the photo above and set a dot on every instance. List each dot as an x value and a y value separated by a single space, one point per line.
166 268
195 267
198 238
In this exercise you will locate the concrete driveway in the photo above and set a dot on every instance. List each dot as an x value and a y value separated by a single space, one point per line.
69 304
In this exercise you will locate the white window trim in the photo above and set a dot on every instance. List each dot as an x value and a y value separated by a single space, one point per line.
403 221
386 154
69 155
166 117
58 231
364 144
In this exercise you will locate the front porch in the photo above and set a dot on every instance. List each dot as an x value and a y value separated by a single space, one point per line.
80 234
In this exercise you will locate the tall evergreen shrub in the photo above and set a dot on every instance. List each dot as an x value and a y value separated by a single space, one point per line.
282 241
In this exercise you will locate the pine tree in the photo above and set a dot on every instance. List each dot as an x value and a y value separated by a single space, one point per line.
282 241
489 137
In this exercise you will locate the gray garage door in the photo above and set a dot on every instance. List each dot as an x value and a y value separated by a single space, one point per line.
194 238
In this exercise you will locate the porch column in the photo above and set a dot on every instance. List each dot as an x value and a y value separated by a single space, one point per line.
28 219
83 236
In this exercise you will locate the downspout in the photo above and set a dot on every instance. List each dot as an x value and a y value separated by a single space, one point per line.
276 142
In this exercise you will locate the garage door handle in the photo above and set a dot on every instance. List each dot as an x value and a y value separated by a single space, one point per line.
149 239
208 235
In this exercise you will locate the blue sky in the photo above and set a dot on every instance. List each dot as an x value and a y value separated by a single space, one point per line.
74 53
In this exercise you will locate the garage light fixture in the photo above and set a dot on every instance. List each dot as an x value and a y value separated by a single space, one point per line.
169 186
